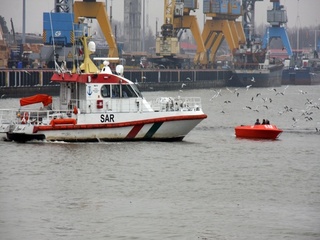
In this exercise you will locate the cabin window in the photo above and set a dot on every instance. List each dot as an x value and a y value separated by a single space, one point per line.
115 91
105 91
136 90
127 91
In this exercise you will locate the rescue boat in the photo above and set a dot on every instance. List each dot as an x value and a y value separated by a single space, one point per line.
263 131
98 104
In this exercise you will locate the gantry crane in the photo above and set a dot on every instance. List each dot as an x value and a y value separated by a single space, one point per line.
221 24
176 19
60 30
248 9
277 17
97 10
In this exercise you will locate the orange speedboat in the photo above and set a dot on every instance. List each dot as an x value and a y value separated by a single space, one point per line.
264 131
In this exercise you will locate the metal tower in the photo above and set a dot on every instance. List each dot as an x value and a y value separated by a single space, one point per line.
63 6
132 25
248 8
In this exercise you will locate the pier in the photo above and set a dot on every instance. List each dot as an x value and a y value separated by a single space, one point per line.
26 82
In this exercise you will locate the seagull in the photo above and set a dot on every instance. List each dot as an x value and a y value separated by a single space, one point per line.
247 87
3 96
308 118
234 91
183 85
287 109
252 79
216 95
308 102
189 79
230 78
228 89
302 92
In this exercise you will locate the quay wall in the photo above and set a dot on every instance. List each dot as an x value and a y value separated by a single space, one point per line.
26 82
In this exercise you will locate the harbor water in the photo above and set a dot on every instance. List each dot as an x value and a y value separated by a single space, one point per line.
211 185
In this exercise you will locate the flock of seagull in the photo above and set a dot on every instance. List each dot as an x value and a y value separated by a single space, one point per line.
307 113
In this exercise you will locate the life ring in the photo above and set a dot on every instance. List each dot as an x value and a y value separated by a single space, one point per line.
24 118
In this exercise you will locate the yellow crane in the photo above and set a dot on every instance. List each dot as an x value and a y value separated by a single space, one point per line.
97 10
177 18
221 24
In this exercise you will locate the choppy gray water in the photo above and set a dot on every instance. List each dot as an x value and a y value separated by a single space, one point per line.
210 186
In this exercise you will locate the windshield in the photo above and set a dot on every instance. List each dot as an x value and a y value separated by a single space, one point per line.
136 89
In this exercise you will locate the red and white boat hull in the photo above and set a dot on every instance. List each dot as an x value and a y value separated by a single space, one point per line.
170 128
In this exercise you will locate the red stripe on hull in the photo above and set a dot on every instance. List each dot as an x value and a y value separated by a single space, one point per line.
116 125
134 131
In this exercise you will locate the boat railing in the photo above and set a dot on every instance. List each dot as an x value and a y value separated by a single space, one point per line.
165 104
7 116
41 117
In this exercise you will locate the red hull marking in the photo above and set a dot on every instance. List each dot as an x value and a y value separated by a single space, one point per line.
116 125
134 131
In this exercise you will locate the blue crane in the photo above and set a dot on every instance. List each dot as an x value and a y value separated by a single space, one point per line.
277 17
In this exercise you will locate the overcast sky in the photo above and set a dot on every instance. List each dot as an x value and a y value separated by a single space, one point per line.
308 11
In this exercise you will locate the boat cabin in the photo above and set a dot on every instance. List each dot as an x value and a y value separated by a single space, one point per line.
102 92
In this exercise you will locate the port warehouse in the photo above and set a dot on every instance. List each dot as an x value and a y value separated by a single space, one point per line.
23 82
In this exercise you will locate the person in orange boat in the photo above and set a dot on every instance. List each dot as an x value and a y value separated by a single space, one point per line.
257 122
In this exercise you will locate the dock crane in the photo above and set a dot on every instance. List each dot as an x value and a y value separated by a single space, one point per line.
176 19
221 24
13 32
277 17
248 8
97 10
60 29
